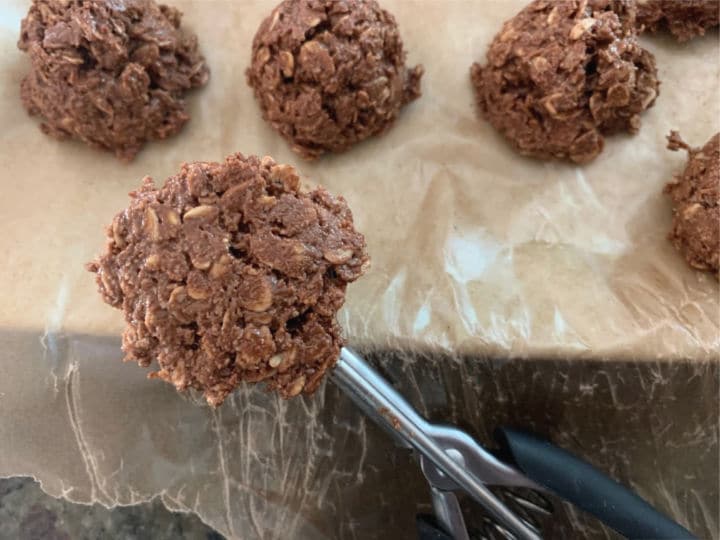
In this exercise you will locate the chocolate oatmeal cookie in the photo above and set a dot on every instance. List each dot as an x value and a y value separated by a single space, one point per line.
330 73
231 272
111 73
562 74
695 194
685 19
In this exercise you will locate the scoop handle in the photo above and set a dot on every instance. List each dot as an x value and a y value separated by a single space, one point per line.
586 487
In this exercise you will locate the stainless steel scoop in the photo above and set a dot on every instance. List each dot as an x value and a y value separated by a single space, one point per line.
452 461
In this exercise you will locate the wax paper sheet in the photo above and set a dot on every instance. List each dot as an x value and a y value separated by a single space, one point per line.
477 253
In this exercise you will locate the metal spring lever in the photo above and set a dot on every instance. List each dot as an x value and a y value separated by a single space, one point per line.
382 402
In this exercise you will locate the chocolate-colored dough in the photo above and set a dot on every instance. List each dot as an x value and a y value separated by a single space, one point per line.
562 74
684 18
111 73
232 273
696 204
330 73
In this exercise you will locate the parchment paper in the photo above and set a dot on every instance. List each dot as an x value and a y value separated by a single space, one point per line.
477 252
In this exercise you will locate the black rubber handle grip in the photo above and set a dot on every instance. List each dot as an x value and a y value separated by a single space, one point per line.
586 487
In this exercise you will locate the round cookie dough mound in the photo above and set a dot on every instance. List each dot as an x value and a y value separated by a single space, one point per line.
696 204
232 273
562 74
330 73
684 18
111 73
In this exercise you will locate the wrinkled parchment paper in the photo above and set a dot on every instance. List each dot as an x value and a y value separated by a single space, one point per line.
477 253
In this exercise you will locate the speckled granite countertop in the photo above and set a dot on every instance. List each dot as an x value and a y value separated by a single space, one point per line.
27 513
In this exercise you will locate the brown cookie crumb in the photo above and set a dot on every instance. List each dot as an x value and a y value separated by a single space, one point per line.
111 73
685 19
330 73
231 272
696 204
562 74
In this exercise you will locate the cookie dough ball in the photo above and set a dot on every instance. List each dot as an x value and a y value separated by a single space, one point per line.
231 272
111 73
330 73
562 74
684 18
695 194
